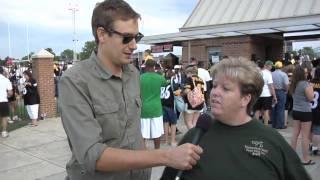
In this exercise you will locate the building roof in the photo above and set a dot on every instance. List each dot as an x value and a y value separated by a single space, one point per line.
221 18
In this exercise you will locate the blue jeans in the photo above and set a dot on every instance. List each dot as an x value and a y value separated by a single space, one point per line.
277 115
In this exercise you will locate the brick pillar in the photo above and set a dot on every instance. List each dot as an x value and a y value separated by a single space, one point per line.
42 69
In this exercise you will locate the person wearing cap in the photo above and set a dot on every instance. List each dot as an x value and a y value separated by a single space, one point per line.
281 85
268 96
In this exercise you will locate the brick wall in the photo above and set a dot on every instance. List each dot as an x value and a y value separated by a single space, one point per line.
43 72
244 46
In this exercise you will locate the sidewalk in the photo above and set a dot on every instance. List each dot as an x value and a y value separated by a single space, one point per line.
41 152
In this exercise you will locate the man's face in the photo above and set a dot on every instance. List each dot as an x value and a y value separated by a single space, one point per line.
114 48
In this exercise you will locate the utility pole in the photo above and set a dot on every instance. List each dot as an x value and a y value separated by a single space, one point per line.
74 8
9 40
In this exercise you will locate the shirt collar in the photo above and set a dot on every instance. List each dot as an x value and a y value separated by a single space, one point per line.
105 73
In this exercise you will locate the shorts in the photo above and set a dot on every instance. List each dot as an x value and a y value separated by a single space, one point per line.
263 103
169 115
152 127
316 129
190 111
4 109
33 111
302 116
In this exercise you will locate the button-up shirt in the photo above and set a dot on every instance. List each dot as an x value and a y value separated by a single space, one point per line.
280 80
100 110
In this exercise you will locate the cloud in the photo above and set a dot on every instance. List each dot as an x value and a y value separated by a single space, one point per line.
50 22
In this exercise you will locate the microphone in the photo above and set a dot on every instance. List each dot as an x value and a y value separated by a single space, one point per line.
201 128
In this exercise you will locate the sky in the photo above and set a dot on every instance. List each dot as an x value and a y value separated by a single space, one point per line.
48 24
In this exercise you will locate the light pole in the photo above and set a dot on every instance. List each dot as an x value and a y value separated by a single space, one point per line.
74 8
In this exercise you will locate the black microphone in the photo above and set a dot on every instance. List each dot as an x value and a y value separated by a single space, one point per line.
201 128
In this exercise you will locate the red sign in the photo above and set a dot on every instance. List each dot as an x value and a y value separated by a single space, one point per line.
167 48
162 48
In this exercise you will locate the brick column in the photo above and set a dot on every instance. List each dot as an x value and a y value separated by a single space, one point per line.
42 69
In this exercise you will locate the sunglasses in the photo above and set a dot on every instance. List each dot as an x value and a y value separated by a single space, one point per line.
127 37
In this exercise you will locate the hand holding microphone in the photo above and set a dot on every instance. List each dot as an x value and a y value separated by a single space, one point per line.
201 128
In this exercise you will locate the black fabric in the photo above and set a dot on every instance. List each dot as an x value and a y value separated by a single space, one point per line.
32 96
4 109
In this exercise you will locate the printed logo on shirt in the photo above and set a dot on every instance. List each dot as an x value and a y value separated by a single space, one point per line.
255 148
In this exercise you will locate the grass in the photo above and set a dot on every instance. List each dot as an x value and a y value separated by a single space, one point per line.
22 114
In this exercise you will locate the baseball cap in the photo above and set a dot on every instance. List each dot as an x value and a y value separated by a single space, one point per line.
177 67
268 62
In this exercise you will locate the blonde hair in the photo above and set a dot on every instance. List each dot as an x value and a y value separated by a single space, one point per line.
191 69
245 73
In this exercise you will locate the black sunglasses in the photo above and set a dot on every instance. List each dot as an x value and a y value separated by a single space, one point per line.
127 37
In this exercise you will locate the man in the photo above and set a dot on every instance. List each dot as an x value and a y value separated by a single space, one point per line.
281 85
5 92
151 111
100 106
268 96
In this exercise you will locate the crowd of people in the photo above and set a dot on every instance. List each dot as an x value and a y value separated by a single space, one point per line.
15 84
109 109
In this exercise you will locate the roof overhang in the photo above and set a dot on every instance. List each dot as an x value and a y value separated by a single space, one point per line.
284 25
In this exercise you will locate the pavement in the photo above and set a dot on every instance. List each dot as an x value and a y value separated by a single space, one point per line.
41 153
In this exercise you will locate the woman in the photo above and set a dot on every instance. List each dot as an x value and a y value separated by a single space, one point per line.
192 113
236 146
289 101
315 106
31 97
302 93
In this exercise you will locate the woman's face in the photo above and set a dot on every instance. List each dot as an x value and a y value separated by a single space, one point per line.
226 100
26 76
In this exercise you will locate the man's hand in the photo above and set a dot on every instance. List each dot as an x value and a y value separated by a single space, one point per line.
183 157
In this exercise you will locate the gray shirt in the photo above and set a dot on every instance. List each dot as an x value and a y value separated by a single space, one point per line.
98 111
300 100
280 80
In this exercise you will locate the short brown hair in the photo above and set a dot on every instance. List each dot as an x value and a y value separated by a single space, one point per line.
245 73
108 11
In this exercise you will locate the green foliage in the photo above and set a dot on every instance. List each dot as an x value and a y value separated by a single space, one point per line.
67 54
89 46
26 57
308 51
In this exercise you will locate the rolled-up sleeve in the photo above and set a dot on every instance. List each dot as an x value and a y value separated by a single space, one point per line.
82 129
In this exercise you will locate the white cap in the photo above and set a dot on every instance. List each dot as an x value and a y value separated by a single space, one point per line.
177 67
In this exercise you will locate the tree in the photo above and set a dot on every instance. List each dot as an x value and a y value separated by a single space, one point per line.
89 46
67 54
308 51
56 58
26 57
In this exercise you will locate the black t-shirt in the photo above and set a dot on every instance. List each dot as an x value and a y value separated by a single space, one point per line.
30 93
167 97
315 103
250 151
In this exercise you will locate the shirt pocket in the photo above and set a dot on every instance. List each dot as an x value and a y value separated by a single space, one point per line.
134 111
107 116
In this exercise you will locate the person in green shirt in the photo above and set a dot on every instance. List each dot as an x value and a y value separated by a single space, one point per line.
235 145
151 111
